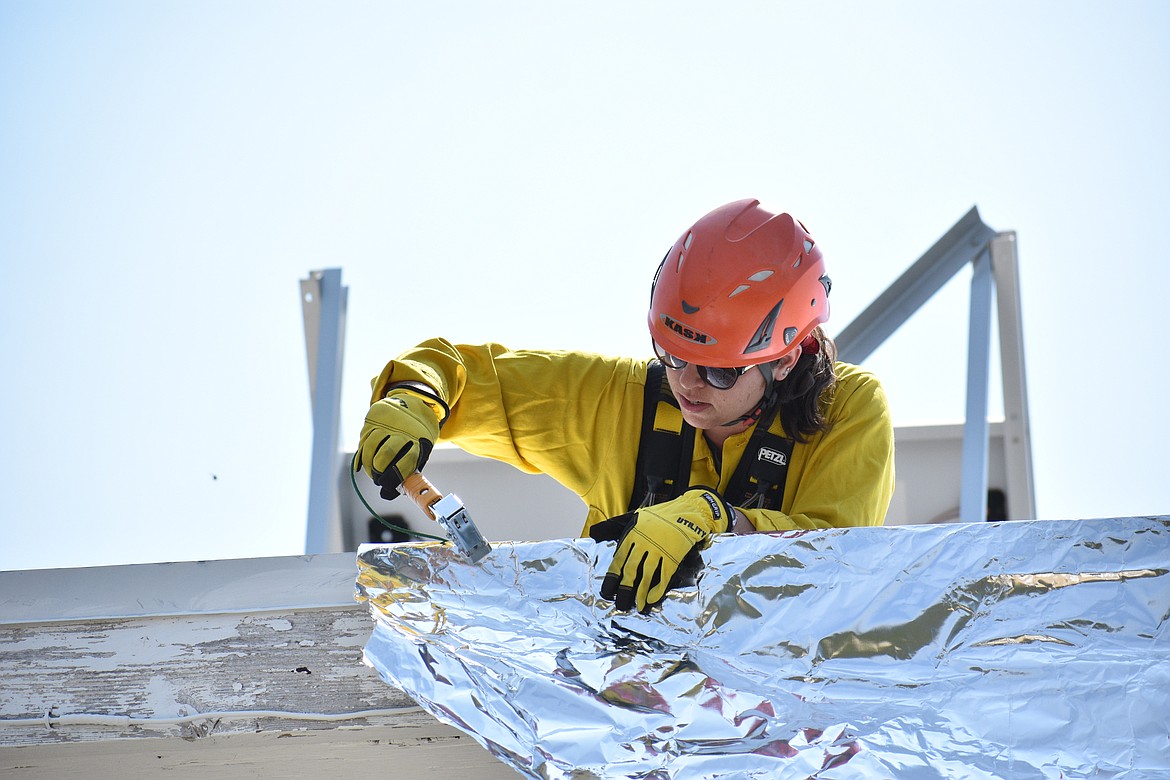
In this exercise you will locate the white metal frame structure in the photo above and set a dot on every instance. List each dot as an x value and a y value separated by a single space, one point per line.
323 302
995 275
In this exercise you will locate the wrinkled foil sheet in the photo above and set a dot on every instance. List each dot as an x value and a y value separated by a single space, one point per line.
1010 650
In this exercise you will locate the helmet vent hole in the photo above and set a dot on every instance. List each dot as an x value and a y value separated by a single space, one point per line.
796 263
687 243
739 289
763 335
689 309
808 245
789 335
760 276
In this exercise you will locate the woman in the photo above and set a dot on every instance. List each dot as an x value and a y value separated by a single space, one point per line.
744 422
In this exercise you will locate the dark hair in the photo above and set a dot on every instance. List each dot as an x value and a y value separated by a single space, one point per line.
800 394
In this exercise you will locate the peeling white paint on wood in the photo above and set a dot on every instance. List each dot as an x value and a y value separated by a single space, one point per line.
128 683
174 667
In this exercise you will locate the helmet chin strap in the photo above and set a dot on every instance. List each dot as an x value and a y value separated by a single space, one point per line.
765 401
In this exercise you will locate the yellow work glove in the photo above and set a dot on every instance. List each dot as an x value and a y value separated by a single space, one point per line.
399 433
652 543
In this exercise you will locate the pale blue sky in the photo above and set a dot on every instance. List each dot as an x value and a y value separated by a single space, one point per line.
513 172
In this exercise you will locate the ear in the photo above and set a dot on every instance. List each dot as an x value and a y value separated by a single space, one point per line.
784 365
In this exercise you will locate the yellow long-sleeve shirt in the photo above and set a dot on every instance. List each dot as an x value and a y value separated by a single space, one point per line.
577 417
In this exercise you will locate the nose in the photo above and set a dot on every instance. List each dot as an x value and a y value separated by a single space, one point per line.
689 378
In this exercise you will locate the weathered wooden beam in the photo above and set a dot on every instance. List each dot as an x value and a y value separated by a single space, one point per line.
157 673
412 746
125 671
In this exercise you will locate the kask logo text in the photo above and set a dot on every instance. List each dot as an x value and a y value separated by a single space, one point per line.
689 333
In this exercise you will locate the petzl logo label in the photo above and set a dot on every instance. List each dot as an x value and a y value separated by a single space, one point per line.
773 456
686 332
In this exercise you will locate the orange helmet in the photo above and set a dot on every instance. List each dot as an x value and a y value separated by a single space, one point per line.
741 287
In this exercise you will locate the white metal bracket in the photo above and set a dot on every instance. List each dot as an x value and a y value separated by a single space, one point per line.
995 276
323 301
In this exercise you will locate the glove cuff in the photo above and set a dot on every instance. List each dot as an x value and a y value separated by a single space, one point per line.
429 397
721 512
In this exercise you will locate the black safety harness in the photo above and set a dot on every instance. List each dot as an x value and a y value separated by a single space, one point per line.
667 445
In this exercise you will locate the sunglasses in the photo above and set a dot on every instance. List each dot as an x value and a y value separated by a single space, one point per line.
719 378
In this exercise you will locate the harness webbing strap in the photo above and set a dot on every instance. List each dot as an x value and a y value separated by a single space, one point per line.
758 481
667 445
664 451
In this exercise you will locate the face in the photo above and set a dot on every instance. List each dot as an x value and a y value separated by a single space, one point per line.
707 408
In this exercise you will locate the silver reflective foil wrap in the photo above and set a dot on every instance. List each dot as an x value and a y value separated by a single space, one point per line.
1010 650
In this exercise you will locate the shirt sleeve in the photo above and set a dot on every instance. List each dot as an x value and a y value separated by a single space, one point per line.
845 476
566 414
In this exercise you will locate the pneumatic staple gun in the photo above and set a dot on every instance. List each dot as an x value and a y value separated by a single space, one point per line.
450 513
